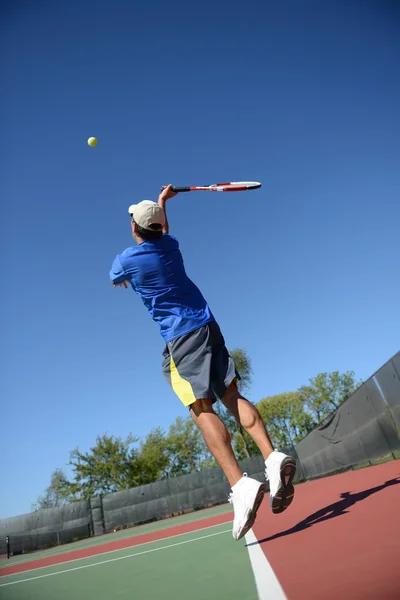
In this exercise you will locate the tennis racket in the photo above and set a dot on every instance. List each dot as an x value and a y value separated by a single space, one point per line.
230 186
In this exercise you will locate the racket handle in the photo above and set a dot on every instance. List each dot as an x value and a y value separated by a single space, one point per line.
177 189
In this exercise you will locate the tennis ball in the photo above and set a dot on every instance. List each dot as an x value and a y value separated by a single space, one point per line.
92 142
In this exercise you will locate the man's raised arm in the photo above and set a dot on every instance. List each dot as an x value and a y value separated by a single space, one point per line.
162 201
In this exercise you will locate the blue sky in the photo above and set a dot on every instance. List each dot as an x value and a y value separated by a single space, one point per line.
303 274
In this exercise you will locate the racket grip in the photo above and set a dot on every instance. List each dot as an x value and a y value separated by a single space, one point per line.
177 189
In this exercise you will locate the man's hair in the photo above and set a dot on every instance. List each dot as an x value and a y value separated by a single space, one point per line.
148 235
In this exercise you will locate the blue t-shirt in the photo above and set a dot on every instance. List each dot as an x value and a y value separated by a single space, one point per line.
157 274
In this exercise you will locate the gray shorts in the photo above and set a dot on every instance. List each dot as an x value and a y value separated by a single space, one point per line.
198 365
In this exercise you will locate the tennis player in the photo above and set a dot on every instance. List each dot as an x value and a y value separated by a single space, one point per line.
196 361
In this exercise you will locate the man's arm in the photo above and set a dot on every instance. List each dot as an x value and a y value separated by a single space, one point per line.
162 201
118 276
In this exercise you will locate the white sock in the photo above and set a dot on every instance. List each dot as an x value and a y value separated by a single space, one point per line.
239 483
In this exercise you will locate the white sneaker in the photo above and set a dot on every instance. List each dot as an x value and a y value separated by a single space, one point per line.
280 470
246 497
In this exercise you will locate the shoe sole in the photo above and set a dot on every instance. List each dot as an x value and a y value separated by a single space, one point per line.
253 511
285 494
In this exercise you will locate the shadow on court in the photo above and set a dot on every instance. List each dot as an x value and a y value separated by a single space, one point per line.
332 511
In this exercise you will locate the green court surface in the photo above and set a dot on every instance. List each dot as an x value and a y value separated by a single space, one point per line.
123 534
197 565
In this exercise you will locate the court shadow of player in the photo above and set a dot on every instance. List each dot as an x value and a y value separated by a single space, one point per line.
332 511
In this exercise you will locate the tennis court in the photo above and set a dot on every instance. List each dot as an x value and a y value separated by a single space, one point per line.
340 539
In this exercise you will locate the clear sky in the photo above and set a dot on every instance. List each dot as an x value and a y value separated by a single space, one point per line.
303 274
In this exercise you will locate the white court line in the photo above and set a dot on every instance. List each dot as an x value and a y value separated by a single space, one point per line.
103 562
64 562
267 583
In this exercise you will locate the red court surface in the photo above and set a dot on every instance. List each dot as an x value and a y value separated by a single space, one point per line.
340 539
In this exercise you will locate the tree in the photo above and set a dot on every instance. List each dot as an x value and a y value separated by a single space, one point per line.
243 366
54 494
114 464
110 466
187 450
286 418
154 457
327 391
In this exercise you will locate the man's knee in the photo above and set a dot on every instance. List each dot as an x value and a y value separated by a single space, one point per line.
231 395
204 405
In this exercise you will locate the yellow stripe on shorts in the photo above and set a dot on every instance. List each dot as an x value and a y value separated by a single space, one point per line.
181 387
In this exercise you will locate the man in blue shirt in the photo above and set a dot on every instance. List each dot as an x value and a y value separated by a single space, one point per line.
196 361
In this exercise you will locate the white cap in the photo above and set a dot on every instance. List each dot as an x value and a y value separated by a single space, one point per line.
146 214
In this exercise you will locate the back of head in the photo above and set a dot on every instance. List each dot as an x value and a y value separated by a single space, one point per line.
149 218
149 234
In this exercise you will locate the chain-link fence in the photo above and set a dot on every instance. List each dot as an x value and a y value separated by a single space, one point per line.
364 428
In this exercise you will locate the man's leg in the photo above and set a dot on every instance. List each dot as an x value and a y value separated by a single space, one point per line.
217 438
280 468
188 367
247 493
250 419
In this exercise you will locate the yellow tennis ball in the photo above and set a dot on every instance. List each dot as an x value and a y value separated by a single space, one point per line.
92 142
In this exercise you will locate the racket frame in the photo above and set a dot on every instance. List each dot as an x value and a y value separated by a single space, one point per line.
229 186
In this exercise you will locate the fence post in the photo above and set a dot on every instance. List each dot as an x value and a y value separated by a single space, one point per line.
97 515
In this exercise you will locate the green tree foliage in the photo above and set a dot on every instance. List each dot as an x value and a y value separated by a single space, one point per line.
54 495
243 366
154 457
327 391
111 465
286 418
187 449
290 416
114 464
